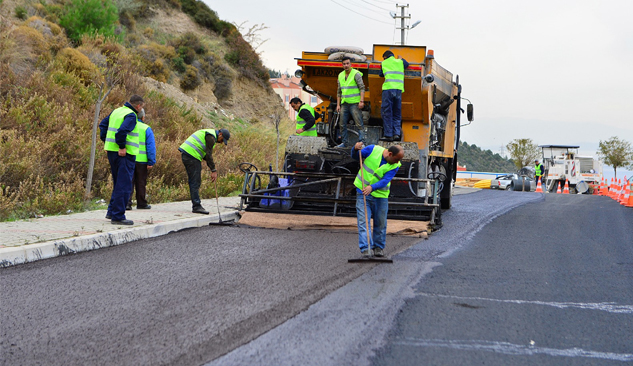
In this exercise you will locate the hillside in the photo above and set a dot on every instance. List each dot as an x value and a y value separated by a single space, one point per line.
193 69
476 159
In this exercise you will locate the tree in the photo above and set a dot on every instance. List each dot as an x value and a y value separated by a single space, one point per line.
89 17
616 153
523 152
252 35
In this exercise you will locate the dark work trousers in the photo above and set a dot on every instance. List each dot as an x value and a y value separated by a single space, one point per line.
139 182
391 112
194 173
122 168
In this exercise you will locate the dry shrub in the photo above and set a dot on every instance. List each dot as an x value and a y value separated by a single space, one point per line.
78 64
190 80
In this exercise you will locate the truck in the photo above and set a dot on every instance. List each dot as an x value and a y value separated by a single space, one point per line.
563 163
317 177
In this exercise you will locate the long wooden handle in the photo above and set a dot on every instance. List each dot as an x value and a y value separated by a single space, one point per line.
362 184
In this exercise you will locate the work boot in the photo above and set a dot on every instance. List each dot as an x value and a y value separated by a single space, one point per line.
340 146
386 138
378 252
365 253
143 207
122 222
396 138
128 207
200 210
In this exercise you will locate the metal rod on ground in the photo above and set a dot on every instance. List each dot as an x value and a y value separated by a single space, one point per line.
217 202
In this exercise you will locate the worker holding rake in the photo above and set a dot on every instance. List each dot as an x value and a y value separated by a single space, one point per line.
378 167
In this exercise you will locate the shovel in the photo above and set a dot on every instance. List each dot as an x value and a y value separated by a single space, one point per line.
217 204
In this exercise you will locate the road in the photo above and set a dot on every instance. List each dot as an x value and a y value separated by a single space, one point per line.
236 296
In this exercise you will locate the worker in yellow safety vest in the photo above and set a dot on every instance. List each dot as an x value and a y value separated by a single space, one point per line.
145 161
392 69
538 172
350 100
306 121
117 130
198 147
379 167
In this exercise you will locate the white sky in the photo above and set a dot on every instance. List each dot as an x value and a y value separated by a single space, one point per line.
555 71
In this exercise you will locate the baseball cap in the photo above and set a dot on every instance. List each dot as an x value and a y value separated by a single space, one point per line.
226 135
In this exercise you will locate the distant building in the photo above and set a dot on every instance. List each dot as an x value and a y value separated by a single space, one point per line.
287 87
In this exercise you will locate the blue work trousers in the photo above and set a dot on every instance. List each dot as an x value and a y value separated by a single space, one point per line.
377 209
122 169
391 112
347 111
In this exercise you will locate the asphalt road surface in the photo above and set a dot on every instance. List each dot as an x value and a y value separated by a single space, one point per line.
471 294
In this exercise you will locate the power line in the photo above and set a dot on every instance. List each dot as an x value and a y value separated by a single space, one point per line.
358 5
353 11
379 7
385 2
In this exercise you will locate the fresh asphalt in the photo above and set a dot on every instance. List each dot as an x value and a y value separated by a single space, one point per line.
549 283
241 296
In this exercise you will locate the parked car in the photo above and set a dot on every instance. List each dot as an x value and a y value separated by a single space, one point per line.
504 182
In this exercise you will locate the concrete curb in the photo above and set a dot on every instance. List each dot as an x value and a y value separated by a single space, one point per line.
12 256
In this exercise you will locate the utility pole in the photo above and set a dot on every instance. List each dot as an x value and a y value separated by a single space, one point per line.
402 18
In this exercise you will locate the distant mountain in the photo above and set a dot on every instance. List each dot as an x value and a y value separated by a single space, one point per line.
478 160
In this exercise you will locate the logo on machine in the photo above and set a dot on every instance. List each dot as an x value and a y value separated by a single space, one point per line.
324 72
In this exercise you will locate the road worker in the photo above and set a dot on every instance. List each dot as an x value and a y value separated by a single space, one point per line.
379 167
306 122
350 99
121 144
197 147
392 69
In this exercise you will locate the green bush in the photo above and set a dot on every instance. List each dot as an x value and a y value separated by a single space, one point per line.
179 64
20 12
89 17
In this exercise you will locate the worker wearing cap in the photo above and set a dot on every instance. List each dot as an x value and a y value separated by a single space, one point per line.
145 160
379 167
538 172
306 121
197 147
350 98
121 144
392 69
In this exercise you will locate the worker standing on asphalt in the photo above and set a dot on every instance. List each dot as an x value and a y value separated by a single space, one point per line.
145 160
350 98
392 69
538 172
197 147
306 122
379 167
121 143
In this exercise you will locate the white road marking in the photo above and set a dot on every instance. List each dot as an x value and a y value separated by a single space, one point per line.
511 349
610 307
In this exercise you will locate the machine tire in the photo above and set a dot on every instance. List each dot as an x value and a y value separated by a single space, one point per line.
446 195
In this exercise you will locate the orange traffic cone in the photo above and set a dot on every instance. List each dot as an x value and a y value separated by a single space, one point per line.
603 187
558 191
617 191
566 190
629 202
623 190
626 195
612 188
538 187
